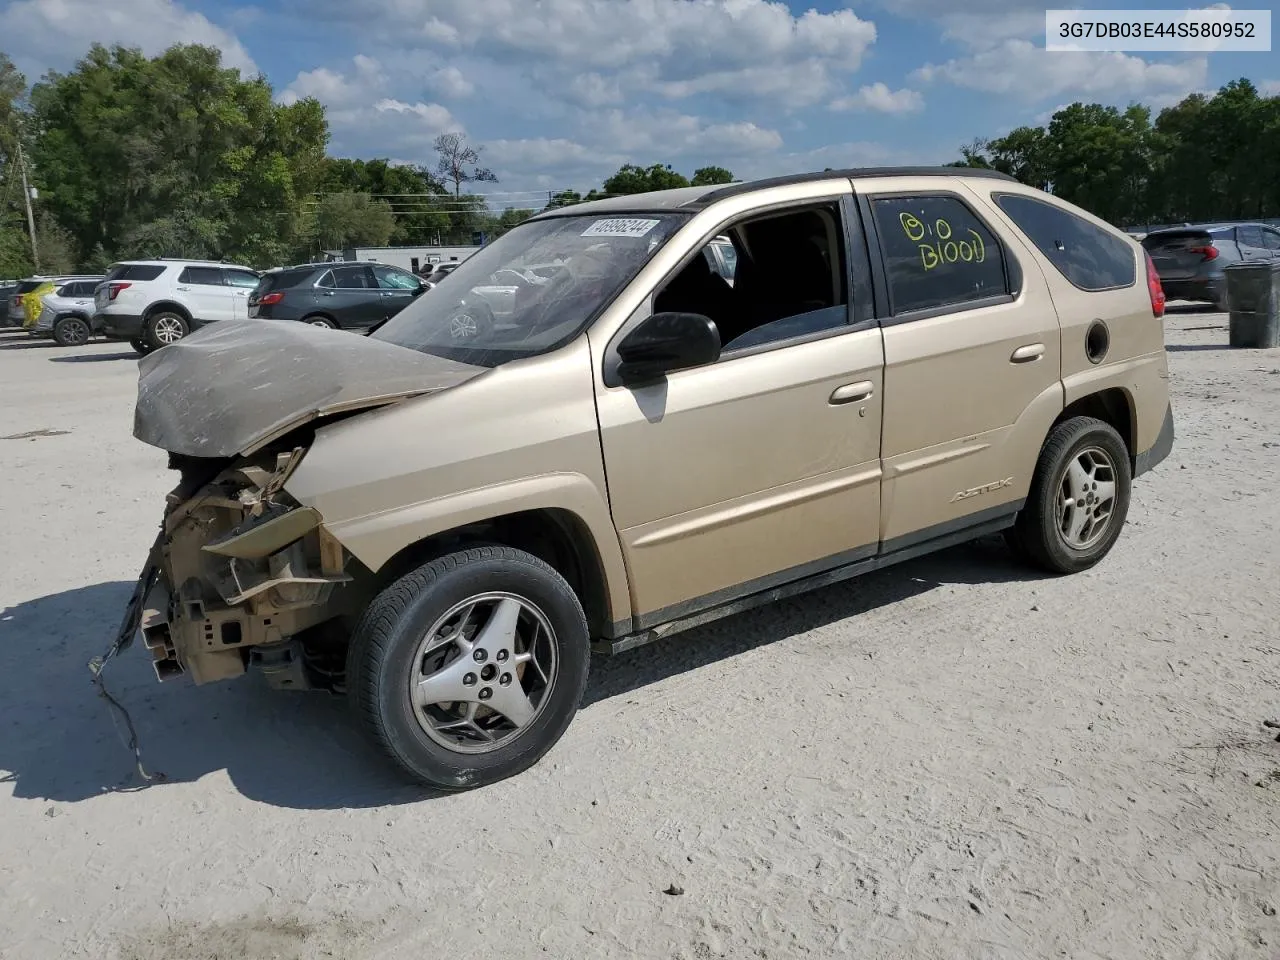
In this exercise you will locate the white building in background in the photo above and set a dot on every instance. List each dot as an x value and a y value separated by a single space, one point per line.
415 259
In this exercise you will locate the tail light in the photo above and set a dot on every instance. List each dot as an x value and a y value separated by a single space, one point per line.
114 288
269 298
1207 253
1155 288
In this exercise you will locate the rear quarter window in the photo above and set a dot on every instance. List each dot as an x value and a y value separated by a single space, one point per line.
937 253
139 272
286 280
1091 258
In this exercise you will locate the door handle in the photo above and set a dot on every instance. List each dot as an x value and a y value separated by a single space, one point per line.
1032 351
852 392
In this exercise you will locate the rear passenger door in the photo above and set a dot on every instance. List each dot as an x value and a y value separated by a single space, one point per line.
972 361
1252 243
355 300
204 293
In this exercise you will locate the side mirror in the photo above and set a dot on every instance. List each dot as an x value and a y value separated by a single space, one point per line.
665 342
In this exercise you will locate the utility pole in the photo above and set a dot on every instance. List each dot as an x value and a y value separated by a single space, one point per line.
31 220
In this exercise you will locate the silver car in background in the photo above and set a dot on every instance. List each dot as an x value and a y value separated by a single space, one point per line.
66 314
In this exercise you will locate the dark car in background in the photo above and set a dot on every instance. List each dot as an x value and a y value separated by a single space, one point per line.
341 296
1192 260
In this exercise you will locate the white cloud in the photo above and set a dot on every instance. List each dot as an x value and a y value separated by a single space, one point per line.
879 98
598 48
362 112
1269 88
55 33
1024 70
668 135
449 82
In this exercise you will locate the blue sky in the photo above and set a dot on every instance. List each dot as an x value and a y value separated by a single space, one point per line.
561 92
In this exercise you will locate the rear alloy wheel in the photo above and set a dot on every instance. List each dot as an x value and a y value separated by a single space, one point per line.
322 322
71 332
1079 497
469 669
165 327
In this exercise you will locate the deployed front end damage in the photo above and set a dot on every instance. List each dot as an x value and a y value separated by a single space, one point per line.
243 574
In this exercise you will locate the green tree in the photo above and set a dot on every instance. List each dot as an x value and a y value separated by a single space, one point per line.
419 201
633 179
352 220
173 155
710 176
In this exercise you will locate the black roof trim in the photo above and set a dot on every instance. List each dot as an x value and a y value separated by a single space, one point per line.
855 173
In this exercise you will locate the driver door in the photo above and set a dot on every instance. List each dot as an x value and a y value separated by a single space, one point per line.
762 468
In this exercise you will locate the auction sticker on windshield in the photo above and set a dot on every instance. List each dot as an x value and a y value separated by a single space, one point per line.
625 227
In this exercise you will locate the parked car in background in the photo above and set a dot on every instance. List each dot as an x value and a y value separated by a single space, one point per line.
1192 260
340 296
31 299
439 271
152 303
7 288
66 313
445 519
14 314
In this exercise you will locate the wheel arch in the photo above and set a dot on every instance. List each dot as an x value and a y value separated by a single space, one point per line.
167 305
1112 405
554 535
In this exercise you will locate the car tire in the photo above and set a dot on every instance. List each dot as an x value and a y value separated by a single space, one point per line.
1079 497
320 322
72 332
449 629
141 347
165 327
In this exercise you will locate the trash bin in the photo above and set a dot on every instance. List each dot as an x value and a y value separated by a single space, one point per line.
1253 299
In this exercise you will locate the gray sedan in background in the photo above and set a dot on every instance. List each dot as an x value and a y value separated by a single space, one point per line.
1191 260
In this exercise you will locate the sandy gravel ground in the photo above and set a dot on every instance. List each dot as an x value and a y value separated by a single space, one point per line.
951 759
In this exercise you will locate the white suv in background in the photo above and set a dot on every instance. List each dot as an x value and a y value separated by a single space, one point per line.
151 303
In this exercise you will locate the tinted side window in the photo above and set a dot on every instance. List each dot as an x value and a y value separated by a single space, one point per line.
352 278
204 276
241 278
1249 236
326 280
1271 239
134 271
1088 256
82 288
937 253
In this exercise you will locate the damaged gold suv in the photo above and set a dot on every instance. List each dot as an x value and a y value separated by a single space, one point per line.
594 434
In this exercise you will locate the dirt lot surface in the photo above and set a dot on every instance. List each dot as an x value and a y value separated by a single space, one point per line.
954 758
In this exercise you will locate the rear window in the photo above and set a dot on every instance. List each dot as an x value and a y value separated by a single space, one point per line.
283 280
1177 239
26 286
1090 257
134 271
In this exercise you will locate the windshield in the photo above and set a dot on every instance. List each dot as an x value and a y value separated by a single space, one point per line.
532 290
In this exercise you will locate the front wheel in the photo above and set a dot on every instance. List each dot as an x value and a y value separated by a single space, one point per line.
469 669
141 347
1079 497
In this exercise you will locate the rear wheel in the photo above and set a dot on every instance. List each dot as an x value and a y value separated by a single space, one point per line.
469 669
165 327
324 322
71 332
1079 497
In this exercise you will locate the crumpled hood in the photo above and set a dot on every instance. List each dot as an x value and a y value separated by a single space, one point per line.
231 387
